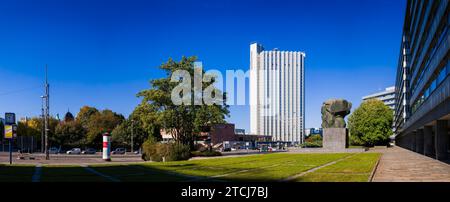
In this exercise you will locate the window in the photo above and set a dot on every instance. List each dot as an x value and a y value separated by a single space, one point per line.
441 76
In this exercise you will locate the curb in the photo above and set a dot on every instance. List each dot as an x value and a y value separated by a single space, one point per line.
374 169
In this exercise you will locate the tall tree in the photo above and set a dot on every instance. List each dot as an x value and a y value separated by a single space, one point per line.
99 123
70 134
371 123
85 114
186 119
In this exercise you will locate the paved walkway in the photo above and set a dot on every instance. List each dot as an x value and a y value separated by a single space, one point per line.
401 165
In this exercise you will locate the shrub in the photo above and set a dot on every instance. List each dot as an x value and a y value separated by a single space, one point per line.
177 152
155 151
206 153
312 144
313 141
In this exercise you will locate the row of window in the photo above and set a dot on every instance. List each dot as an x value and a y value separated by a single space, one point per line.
442 34
444 72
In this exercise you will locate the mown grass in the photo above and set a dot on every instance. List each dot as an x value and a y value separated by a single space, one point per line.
137 173
267 167
357 168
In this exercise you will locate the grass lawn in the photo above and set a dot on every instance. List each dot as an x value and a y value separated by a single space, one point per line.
267 167
357 168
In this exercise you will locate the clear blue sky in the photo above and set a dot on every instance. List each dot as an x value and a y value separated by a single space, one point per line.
101 53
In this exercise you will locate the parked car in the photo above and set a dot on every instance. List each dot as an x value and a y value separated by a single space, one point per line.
119 151
53 150
74 151
89 151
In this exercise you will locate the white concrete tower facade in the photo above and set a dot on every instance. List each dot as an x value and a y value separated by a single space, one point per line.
277 94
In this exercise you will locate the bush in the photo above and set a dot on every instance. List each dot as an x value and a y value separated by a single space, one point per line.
313 141
312 144
177 152
206 153
155 151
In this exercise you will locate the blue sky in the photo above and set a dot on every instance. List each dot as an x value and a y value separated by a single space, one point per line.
101 53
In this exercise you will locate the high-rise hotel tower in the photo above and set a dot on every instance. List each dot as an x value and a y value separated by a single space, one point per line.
277 94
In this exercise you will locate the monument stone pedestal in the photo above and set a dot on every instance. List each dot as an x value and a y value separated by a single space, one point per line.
335 139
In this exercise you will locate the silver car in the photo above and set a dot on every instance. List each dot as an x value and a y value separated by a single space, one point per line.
74 151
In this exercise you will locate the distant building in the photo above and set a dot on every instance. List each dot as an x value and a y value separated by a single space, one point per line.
313 131
387 96
238 131
69 117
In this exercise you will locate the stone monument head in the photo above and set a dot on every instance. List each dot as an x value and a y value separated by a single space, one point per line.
334 112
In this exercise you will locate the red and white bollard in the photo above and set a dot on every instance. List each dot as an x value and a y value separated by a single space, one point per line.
106 147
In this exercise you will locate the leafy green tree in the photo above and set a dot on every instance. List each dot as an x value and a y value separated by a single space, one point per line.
70 134
99 123
371 123
186 120
85 114
121 135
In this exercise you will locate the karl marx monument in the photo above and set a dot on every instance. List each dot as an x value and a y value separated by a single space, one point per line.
335 135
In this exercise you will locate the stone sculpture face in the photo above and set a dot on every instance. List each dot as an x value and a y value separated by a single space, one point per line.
334 112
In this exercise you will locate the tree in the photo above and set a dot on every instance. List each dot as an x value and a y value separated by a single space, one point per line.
99 123
371 123
85 114
121 135
70 134
183 120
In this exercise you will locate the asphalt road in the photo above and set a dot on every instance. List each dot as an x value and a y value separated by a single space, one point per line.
68 158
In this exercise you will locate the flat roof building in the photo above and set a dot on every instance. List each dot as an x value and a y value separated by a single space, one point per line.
422 111
387 96
277 94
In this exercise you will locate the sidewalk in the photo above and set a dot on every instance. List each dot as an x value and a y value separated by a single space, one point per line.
401 165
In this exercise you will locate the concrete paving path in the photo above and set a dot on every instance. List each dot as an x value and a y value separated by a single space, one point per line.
401 165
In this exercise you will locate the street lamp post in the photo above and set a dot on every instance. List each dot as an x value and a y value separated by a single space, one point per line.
43 126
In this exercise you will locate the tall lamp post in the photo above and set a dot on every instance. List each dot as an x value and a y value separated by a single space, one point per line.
46 114
43 125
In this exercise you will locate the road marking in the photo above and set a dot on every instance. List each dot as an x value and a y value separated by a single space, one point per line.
86 167
314 169
37 173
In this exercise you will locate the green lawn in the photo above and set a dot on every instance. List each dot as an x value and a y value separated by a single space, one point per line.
267 167
357 168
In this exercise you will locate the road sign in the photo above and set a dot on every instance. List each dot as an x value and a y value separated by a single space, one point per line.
10 118
9 132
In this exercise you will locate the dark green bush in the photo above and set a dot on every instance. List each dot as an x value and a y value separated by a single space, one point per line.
312 144
206 153
155 151
177 152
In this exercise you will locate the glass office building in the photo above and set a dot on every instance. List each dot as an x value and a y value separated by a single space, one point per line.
422 111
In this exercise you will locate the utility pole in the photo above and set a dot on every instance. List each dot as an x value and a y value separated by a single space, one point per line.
47 110
132 134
